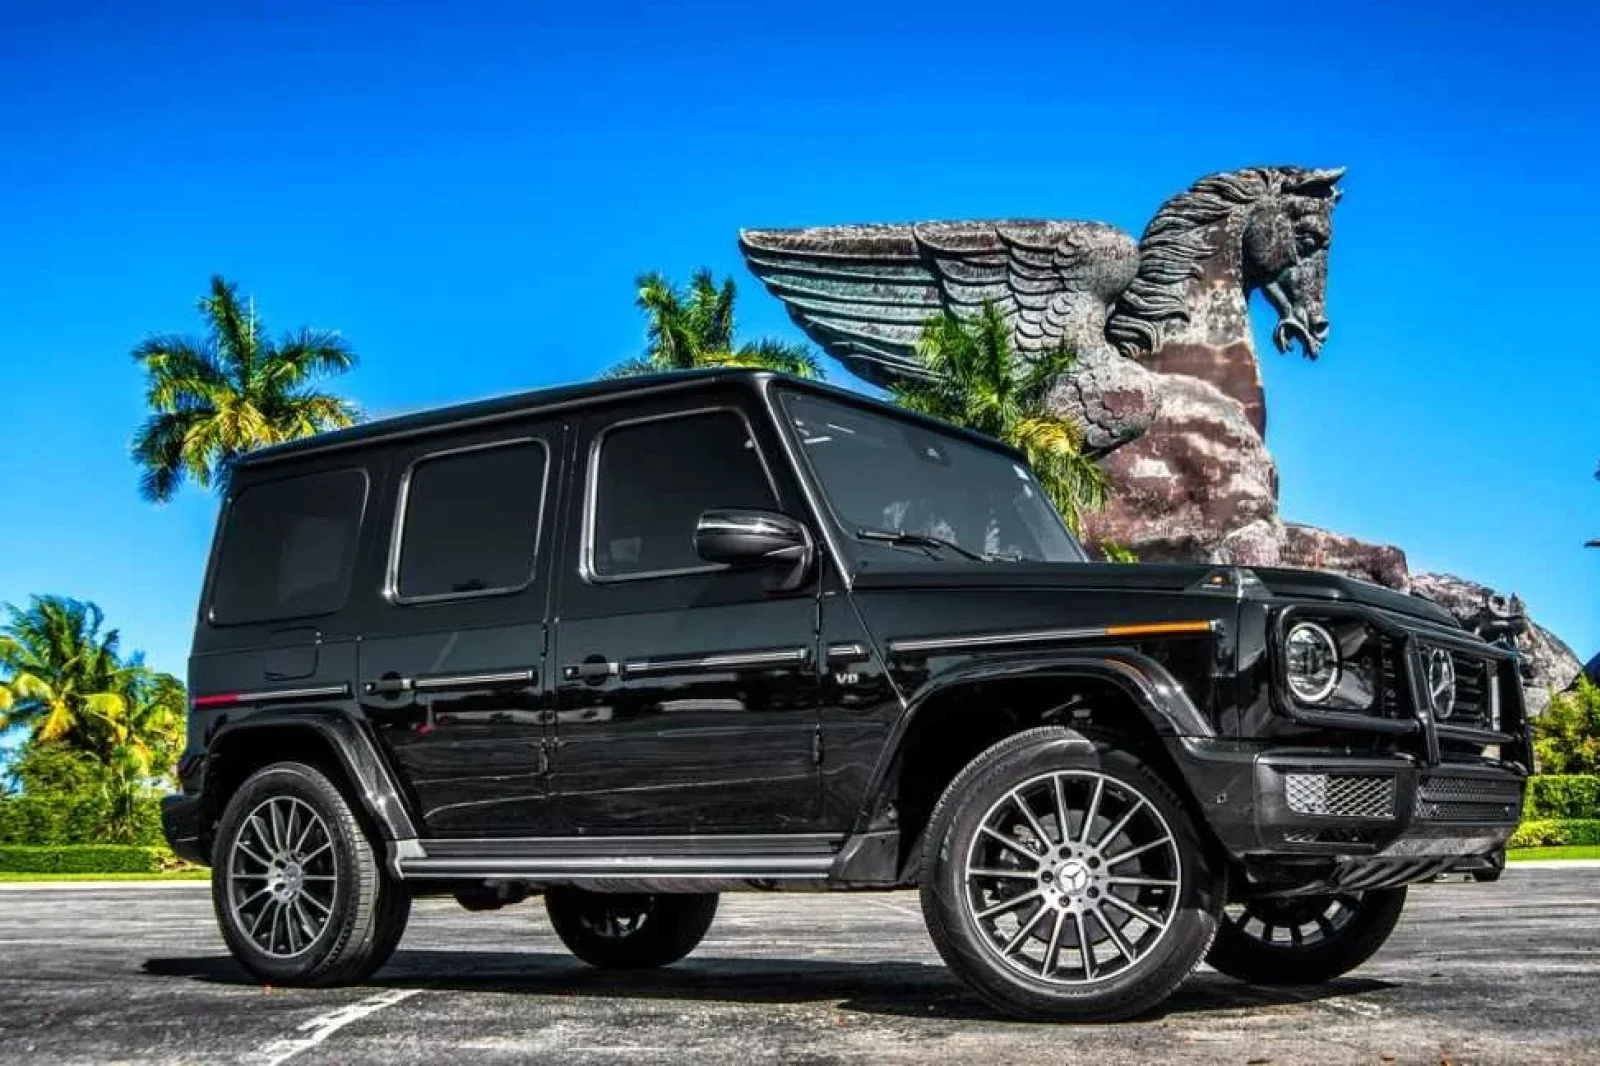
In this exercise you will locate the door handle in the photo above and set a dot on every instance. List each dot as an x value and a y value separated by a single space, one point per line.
389 685
592 671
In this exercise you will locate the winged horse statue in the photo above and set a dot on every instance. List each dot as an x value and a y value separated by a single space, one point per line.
1174 302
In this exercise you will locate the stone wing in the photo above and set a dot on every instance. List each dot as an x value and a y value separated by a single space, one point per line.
864 293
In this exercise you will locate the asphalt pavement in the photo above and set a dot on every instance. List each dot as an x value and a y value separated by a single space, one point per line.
1502 973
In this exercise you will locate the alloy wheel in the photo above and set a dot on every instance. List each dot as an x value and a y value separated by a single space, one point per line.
1073 877
1299 921
283 872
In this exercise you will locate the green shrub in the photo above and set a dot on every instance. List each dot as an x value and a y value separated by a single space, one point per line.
87 859
77 818
1555 833
1563 796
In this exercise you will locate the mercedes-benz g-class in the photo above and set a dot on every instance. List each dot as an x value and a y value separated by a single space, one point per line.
632 644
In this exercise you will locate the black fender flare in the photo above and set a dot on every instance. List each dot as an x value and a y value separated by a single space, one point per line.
1162 702
351 742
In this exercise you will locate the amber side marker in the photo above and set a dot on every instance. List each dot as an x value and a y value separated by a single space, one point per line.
1154 629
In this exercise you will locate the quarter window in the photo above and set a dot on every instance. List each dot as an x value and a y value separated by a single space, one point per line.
652 481
288 547
471 523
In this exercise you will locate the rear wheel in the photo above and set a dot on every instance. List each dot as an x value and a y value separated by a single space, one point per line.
1062 879
629 931
298 890
1304 939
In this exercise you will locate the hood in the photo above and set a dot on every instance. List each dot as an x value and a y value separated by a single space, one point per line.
1146 577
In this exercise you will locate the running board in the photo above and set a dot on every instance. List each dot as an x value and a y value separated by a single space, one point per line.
564 859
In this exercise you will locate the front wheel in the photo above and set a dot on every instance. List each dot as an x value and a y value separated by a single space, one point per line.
1304 940
629 931
1062 879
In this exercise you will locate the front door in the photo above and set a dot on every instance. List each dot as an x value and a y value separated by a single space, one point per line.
686 693
452 664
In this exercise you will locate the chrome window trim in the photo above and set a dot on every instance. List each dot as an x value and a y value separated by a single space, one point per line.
586 569
391 573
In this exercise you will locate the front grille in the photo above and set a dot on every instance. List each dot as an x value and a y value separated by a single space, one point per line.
1475 678
1340 795
1468 799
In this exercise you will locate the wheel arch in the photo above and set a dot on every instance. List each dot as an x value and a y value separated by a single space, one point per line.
956 716
328 739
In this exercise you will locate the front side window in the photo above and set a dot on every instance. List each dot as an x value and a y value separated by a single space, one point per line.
652 480
288 547
471 521
886 477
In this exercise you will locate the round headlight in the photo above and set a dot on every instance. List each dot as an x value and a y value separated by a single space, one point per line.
1311 662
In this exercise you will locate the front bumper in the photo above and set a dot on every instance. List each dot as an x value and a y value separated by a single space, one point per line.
1318 820
1392 807
180 823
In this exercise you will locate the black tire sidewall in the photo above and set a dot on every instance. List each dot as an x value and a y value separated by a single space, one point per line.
351 926
675 925
959 939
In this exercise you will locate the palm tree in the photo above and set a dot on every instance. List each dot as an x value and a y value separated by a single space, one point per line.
974 382
231 392
142 742
694 328
62 673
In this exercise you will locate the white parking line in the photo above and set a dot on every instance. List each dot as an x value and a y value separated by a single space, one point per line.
323 1026
886 905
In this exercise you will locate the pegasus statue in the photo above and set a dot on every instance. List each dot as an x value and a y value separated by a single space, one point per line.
1174 302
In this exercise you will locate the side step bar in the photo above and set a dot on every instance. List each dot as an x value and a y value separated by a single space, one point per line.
564 859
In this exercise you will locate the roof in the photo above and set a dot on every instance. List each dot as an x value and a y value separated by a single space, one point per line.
564 397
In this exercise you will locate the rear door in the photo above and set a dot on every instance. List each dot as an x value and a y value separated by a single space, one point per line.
686 693
452 660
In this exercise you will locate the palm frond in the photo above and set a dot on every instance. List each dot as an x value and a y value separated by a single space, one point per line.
232 330
631 368
304 356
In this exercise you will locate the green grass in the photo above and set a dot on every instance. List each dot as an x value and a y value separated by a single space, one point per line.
1573 851
165 875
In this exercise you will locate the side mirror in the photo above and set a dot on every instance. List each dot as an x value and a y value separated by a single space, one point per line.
750 538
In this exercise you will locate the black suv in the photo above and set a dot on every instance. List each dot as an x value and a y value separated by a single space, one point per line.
635 643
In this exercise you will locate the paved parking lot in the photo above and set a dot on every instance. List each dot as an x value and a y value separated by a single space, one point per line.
1506 973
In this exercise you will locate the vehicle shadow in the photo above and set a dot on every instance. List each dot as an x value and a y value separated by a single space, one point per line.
896 989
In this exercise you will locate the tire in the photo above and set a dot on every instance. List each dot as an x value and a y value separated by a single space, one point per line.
1311 939
1012 932
298 889
628 931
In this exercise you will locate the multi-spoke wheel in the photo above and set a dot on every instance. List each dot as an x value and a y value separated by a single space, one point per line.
1063 879
629 931
298 890
281 876
1304 939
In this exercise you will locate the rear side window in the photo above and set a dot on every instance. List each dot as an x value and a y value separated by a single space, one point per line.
288 547
471 522
653 479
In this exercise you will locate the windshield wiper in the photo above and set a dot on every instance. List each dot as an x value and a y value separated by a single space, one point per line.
919 540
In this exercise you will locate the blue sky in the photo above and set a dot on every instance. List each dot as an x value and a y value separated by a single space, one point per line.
468 192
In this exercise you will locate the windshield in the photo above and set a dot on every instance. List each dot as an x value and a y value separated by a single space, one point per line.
897 482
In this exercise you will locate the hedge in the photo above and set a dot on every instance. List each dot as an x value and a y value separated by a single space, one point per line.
1555 833
88 859
59 818
1566 796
